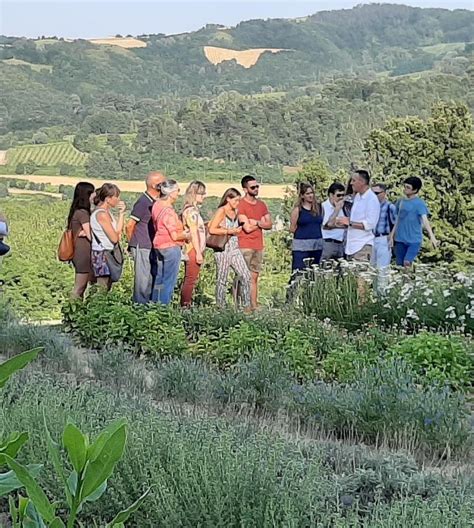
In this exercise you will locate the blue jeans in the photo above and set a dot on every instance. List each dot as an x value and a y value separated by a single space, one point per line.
406 252
168 261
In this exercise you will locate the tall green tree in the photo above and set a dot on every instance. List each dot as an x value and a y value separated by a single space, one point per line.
440 151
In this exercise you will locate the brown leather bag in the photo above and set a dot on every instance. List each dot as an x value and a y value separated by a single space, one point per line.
216 242
66 246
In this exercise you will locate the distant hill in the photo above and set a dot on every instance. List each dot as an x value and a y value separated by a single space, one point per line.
186 94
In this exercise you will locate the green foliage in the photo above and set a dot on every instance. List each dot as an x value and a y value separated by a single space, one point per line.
51 154
224 472
436 358
439 150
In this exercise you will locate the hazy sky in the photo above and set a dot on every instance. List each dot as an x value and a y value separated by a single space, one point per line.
87 18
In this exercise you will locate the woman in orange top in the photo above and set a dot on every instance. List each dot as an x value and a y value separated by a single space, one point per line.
169 237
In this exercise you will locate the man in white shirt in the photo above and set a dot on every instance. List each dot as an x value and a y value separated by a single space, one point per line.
333 237
363 220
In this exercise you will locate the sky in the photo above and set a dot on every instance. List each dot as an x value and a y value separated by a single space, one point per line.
89 19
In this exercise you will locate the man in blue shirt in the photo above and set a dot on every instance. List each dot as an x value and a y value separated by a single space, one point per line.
382 253
140 232
412 217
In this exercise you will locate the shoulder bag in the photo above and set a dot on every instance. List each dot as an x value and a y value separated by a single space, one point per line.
114 259
66 246
215 242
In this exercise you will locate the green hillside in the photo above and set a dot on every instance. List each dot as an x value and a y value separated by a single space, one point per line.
52 154
165 104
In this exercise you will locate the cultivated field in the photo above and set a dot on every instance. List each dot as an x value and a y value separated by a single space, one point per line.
51 154
213 188
121 42
246 58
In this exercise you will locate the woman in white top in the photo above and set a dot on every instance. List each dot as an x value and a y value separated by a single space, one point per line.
106 230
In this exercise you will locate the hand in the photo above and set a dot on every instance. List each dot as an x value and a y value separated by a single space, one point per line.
434 242
121 206
342 221
235 230
187 235
390 242
339 205
199 259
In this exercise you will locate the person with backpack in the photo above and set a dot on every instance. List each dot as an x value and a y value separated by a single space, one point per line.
106 256
78 222
194 249
168 241
382 252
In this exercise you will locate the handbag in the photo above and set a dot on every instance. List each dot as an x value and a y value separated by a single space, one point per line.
66 246
114 258
4 248
216 242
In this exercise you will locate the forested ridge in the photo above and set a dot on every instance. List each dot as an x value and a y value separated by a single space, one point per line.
341 74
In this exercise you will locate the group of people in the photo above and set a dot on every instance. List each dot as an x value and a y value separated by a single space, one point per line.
160 238
356 222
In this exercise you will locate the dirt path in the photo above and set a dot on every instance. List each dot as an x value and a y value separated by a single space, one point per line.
11 190
213 188
3 157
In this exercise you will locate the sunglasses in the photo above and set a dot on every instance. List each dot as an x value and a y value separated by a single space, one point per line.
339 195
253 187
378 192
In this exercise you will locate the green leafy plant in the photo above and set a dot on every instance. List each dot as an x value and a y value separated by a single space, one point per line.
92 465
443 359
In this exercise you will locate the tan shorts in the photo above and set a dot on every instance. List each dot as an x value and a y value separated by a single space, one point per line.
363 255
253 258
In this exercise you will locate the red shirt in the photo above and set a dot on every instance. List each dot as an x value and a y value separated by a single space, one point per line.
254 211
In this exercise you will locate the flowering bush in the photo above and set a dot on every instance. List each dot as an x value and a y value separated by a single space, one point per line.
425 297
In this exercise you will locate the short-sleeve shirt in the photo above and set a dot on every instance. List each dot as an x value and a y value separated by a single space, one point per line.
335 234
144 232
410 227
254 211
193 219
79 218
166 222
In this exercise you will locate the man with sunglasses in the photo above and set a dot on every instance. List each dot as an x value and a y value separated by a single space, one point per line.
382 254
333 237
254 218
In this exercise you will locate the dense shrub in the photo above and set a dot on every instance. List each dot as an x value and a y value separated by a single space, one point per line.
437 358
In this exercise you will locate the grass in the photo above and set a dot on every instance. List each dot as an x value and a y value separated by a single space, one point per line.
228 472
35 67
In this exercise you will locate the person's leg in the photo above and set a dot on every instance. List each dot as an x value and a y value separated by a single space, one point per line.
171 261
400 252
241 269
222 273
104 282
191 275
411 254
383 257
81 280
158 283
315 257
142 275
298 261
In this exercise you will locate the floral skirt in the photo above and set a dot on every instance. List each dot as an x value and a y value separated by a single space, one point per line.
99 264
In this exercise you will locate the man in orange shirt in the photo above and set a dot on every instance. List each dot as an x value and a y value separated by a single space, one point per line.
254 218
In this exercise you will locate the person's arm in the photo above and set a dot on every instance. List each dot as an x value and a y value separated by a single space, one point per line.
86 229
427 226
170 221
294 219
215 228
265 222
371 220
105 221
329 221
130 228
248 224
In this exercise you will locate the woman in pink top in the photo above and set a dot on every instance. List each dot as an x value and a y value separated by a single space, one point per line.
169 237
